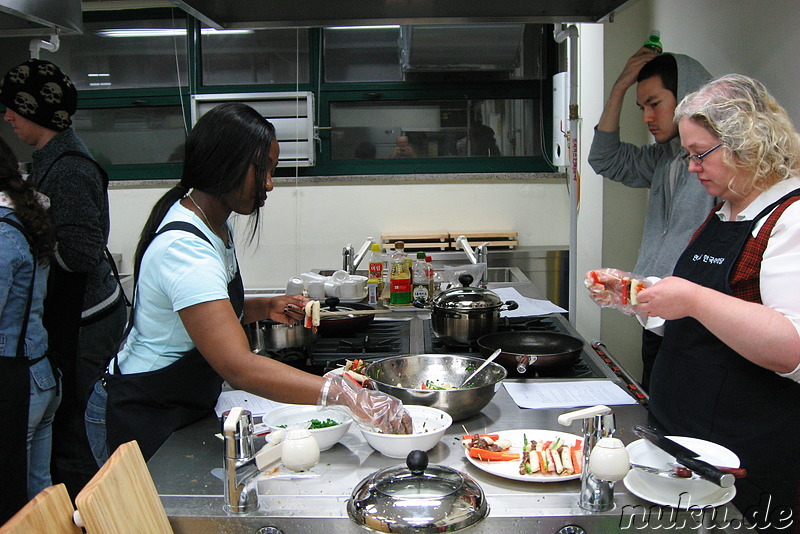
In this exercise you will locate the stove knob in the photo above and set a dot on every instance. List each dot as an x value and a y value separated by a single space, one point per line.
571 529
269 530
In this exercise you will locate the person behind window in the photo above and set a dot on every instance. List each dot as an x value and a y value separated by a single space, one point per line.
29 393
403 148
479 142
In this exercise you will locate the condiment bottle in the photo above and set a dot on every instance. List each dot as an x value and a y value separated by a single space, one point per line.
399 277
377 263
420 279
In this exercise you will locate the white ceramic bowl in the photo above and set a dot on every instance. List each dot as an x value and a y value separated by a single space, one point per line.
299 414
645 453
430 424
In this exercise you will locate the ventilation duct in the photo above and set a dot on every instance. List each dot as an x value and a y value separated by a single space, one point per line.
40 17
484 47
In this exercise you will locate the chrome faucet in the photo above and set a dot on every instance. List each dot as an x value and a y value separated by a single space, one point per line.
241 471
479 255
351 260
347 259
598 422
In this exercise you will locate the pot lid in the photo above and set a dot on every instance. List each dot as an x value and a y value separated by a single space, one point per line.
466 298
417 498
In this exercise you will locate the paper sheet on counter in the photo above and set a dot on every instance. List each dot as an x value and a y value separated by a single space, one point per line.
257 405
568 394
527 306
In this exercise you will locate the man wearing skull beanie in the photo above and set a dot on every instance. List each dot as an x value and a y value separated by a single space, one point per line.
84 312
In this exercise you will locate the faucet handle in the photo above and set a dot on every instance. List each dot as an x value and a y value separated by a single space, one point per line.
237 429
567 418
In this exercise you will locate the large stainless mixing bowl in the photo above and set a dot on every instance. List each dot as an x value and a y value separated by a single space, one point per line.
402 377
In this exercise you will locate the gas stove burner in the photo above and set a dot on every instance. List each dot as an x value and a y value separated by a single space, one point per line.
366 344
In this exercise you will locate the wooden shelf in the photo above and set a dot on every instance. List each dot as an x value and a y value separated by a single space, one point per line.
447 240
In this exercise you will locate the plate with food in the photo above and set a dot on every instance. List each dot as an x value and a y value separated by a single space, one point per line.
528 455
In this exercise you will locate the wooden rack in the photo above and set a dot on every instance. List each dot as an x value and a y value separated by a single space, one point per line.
447 240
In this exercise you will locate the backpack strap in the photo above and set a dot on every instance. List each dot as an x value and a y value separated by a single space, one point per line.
24 329
104 175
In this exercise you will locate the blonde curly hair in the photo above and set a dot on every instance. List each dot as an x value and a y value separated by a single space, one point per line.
749 122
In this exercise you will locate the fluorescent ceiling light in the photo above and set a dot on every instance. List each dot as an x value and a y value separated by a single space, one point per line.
164 32
389 27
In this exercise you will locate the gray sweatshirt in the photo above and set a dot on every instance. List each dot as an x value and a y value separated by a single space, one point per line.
671 220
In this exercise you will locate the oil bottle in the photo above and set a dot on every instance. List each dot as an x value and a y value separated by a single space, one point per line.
399 277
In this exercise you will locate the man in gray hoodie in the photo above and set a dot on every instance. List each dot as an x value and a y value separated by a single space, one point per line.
677 203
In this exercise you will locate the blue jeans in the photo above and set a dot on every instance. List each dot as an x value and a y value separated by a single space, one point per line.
95 420
41 410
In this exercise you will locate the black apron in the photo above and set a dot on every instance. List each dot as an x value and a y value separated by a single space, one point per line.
63 307
14 405
700 387
150 406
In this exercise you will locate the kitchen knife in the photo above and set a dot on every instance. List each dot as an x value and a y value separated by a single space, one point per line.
685 457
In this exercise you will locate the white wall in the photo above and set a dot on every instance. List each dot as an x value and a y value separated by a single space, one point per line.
305 227
759 39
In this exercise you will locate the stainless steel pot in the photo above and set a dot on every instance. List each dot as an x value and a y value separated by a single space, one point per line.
270 336
463 314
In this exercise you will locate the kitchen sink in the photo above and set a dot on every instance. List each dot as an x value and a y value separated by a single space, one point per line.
512 275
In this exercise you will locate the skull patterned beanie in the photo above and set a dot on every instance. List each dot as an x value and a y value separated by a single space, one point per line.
39 91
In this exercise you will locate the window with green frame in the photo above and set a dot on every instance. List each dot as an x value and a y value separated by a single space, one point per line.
135 71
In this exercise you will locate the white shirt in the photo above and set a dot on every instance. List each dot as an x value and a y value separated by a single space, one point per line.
779 281
178 270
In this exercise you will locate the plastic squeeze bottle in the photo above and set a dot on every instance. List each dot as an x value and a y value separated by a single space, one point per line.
653 42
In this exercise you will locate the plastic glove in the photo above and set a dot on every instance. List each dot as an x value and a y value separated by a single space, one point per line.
612 288
374 409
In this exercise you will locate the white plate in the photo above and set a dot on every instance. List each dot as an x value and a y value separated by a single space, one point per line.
657 495
511 469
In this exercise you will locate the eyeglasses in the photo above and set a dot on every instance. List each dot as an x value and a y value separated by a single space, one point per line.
698 158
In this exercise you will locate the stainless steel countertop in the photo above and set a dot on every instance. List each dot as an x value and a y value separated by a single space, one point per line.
193 497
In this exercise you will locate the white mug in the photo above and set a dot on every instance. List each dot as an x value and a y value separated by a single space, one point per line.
331 288
294 286
340 276
350 290
316 289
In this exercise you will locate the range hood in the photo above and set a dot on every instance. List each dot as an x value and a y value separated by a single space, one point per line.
230 14
40 17
460 47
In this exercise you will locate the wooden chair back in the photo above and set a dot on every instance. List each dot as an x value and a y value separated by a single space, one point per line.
122 498
50 512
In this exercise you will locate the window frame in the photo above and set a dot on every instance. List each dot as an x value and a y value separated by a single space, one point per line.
326 93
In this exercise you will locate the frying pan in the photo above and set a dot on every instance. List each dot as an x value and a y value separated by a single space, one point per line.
343 325
524 351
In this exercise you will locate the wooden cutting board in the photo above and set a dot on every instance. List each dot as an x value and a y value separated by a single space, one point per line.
122 497
50 512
